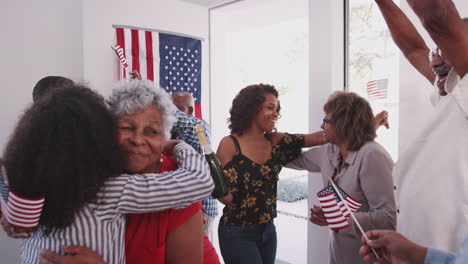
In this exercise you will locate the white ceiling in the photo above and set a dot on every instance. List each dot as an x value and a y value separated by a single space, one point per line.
209 3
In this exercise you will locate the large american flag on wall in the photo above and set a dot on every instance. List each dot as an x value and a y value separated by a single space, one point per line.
174 62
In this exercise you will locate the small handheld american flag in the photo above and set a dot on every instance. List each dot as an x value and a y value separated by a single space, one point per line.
377 89
120 54
22 212
333 206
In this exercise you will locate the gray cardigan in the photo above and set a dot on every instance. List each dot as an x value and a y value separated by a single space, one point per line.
367 177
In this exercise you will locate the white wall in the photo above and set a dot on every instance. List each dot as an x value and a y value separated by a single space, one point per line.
38 38
98 35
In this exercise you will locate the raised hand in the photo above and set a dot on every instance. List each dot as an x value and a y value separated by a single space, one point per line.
381 119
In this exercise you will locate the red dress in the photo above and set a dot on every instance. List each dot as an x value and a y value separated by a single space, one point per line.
146 234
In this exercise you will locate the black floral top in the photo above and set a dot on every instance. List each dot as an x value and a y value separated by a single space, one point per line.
254 185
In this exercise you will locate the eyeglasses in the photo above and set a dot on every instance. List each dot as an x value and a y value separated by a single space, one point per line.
435 52
326 121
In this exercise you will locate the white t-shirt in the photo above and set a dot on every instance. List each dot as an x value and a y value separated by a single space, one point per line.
431 176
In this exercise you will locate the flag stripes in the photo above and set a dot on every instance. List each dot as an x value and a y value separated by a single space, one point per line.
334 208
22 212
377 89
120 54
173 62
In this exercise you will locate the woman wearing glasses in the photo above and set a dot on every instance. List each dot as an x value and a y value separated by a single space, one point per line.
359 165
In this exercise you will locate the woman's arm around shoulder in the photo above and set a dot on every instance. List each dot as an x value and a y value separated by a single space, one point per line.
310 140
185 243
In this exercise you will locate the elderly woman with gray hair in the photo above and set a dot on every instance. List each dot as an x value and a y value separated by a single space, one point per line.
145 114
357 164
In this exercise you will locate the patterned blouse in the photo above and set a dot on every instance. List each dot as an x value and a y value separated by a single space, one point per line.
254 185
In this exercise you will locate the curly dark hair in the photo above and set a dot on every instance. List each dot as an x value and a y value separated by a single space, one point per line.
64 147
247 104
48 84
352 118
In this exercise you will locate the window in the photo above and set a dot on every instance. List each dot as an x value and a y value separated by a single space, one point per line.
373 66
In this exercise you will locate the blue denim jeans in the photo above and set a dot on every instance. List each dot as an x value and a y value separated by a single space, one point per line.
248 244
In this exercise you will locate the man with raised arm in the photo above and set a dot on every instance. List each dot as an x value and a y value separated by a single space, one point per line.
431 176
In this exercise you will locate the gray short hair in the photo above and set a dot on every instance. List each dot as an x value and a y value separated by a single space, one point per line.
130 97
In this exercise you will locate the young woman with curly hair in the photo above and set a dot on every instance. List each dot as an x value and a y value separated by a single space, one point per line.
359 165
253 155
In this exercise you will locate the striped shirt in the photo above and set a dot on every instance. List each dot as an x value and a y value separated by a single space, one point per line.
101 225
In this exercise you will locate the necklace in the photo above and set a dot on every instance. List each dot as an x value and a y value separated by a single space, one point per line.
338 169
